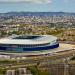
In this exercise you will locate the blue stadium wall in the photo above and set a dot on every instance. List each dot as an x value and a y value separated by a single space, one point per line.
28 49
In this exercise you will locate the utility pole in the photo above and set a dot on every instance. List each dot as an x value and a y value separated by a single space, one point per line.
66 66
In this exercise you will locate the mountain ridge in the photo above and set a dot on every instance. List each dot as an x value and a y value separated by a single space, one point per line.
37 14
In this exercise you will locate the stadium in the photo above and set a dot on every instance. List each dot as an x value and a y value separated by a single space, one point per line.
28 43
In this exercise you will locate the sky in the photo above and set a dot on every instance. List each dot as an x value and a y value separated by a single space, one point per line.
37 6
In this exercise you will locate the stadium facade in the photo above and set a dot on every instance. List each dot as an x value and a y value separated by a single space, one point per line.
26 43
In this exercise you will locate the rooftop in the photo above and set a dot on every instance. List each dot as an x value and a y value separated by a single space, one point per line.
41 39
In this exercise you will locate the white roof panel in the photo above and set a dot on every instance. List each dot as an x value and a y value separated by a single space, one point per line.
40 40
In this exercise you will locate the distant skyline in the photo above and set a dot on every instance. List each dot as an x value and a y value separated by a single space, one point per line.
37 6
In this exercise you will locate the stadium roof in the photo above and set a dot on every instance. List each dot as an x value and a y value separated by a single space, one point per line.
41 39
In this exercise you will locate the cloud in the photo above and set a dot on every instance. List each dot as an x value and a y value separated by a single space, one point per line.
28 1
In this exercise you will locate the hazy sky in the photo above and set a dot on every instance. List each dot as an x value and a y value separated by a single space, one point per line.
37 5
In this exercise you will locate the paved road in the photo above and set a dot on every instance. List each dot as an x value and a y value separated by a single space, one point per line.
58 57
